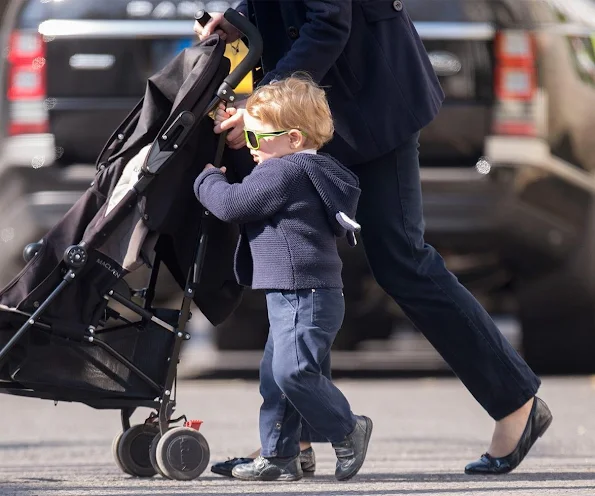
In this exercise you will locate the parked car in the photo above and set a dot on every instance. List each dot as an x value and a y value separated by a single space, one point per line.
507 166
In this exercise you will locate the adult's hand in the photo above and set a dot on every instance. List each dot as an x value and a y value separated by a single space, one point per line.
232 120
218 24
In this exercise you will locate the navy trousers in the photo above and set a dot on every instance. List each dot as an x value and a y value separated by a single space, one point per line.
414 275
295 370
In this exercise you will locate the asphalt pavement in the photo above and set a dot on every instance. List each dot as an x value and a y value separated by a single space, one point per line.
426 430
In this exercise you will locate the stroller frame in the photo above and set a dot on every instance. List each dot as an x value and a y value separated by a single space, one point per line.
76 256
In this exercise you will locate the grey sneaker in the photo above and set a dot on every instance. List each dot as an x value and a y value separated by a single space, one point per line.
351 452
307 460
269 469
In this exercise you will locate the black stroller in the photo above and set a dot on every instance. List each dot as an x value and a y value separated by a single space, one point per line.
60 339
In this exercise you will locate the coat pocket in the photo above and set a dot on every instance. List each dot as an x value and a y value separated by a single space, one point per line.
328 309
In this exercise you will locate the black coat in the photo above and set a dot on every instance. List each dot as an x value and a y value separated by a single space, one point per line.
381 85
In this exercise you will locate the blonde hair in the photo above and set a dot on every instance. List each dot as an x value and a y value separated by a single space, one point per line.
296 102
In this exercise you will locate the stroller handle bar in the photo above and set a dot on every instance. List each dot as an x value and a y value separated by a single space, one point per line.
250 61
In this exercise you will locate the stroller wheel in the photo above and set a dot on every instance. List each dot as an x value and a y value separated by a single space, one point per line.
182 454
133 450
115 444
153 455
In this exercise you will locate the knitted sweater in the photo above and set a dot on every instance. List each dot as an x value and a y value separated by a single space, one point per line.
286 208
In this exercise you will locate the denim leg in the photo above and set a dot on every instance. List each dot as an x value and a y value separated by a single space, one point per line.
303 327
309 435
274 403
415 276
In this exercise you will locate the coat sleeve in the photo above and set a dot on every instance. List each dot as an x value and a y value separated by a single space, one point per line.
242 8
325 34
259 196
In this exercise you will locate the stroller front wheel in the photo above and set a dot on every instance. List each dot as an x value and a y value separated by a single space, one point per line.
182 454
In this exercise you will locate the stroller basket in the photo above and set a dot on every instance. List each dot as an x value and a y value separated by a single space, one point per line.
71 329
54 364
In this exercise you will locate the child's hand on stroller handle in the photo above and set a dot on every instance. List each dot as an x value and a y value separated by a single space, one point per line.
232 120
217 24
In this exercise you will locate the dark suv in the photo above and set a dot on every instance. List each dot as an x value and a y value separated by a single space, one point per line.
507 166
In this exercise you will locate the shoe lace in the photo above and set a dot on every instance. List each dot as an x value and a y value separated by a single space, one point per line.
344 449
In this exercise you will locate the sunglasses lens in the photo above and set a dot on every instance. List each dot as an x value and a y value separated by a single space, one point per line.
251 139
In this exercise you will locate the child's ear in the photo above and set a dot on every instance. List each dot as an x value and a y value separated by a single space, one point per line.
296 137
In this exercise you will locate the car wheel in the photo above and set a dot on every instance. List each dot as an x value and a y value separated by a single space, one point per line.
557 314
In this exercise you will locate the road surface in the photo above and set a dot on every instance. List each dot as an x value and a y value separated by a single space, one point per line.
425 432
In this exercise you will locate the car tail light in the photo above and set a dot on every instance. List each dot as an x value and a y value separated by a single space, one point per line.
26 89
515 83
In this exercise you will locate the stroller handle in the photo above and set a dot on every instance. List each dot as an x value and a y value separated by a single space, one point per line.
250 61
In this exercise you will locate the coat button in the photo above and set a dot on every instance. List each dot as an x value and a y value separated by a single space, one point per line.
278 426
293 32
398 5
282 396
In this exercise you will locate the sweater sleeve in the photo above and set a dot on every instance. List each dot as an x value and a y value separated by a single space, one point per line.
259 196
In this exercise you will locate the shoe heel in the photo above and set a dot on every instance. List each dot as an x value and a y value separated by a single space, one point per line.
309 473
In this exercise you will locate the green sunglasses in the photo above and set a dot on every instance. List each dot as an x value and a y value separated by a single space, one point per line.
253 137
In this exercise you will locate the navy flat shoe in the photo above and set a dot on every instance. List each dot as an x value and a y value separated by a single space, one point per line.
538 422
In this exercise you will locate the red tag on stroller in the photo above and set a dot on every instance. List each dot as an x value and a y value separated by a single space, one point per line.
193 424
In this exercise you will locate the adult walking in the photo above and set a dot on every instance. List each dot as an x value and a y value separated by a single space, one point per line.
382 91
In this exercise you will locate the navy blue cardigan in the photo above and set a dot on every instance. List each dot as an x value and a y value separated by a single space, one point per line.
287 209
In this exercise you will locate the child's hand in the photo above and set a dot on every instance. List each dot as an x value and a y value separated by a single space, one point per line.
211 166
221 115
232 120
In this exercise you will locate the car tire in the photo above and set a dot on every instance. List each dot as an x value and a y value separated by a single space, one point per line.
557 313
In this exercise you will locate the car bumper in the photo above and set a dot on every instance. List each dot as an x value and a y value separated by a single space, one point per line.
502 205
29 150
32 201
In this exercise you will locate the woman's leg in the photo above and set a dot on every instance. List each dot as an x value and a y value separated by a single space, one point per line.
415 276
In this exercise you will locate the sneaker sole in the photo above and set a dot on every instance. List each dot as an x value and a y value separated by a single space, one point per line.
369 427
227 473
282 478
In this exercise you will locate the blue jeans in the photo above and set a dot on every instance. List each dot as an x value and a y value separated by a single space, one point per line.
295 371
